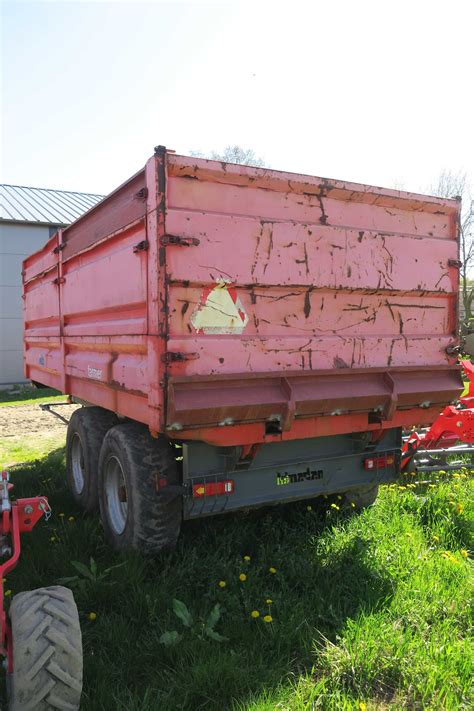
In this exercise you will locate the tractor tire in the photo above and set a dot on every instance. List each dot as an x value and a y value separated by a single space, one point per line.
47 651
85 434
139 490
362 498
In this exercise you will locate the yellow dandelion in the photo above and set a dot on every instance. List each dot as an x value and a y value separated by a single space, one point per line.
53 539
269 601
222 583
459 508
7 593
272 570
309 508
61 515
362 706
255 614
449 556
242 577
339 497
92 616
71 519
435 538
464 553
353 505
247 558
335 506
268 618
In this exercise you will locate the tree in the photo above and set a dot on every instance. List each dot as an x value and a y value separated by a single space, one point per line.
234 154
451 185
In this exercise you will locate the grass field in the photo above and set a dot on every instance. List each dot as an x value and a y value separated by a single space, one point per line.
25 395
368 611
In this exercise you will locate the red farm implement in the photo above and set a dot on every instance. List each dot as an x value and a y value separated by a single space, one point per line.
451 435
41 636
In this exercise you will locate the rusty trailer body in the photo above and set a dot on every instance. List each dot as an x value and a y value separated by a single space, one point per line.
241 307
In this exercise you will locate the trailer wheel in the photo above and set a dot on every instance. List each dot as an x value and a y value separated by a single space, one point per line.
47 651
139 494
363 497
85 434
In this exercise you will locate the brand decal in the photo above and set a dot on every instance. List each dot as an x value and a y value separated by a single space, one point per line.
284 478
94 373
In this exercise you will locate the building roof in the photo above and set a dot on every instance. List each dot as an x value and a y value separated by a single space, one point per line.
38 205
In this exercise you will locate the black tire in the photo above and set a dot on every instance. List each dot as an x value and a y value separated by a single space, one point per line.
362 498
85 434
139 490
47 651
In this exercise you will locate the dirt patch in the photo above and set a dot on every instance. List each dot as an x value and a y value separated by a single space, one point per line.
30 421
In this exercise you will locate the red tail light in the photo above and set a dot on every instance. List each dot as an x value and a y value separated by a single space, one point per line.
379 462
215 488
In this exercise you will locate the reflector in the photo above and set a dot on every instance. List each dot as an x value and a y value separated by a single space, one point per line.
215 488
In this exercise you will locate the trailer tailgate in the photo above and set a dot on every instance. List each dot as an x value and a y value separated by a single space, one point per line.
291 296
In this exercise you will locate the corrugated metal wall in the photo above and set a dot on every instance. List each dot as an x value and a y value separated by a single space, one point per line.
17 241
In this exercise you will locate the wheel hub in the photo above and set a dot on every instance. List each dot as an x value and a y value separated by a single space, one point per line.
115 495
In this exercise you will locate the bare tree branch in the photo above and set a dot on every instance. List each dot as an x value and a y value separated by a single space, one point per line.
234 154
452 185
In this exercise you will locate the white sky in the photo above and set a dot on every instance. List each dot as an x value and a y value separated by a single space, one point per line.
377 92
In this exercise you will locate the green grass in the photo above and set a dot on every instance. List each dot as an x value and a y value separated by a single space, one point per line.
367 609
20 449
27 395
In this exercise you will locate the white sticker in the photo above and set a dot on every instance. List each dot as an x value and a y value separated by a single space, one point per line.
94 373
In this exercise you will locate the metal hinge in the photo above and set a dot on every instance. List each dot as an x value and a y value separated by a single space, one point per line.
141 246
179 241
142 194
178 356
57 249
455 263
59 280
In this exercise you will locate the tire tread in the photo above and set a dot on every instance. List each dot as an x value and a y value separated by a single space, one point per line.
47 651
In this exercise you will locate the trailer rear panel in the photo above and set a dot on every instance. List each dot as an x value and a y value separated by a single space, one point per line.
238 305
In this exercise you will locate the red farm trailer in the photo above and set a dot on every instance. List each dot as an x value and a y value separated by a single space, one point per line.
241 337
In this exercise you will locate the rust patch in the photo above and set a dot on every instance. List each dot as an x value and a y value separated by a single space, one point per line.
389 362
307 303
324 218
305 260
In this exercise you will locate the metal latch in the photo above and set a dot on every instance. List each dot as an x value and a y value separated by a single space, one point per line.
57 249
141 246
142 194
178 356
452 349
179 241
59 280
